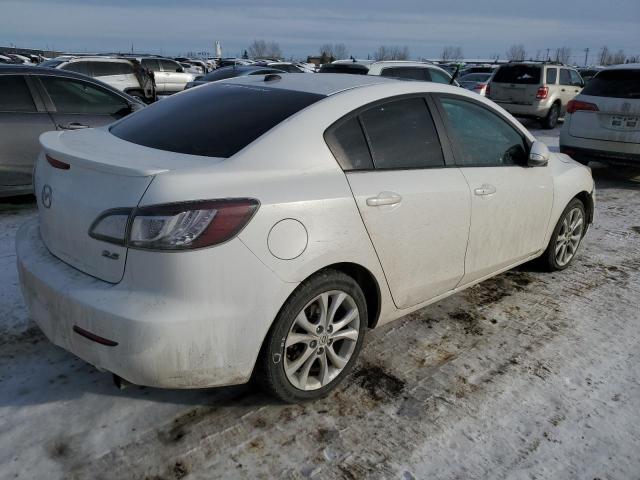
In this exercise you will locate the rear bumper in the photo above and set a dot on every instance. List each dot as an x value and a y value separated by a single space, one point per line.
584 149
536 110
169 332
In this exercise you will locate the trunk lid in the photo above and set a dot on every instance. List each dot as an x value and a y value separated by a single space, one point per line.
616 120
103 173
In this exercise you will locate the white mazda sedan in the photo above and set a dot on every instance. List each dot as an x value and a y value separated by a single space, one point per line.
257 227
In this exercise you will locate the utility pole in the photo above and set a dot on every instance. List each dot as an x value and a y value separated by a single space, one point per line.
586 56
547 58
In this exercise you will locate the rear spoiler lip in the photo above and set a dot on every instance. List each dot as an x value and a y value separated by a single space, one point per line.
53 146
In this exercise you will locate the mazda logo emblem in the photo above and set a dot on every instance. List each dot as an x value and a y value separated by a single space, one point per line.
47 195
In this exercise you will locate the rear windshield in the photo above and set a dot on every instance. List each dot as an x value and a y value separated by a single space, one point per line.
523 74
222 73
615 83
344 68
216 120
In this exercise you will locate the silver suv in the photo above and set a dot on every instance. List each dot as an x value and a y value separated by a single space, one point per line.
169 75
535 90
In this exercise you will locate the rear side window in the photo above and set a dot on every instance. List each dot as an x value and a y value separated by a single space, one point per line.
519 74
75 96
78 67
216 121
407 73
348 144
401 134
615 83
552 76
104 69
15 95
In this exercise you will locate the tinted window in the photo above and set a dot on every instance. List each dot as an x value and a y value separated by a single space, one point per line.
266 71
407 73
401 134
615 83
15 95
439 77
78 67
169 66
355 68
522 74
222 73
349 146
212 121
552 76
565 77
151 64
104 69
74 96
480 137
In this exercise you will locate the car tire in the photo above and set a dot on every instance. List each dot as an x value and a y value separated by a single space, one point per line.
323 356
551 120
562 242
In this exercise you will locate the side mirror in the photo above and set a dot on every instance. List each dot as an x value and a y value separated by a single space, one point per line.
538 155
180 70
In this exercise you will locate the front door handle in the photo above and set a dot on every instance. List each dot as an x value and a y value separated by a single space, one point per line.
485 189
384 198
73 126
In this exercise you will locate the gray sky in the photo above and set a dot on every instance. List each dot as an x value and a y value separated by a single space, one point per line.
481 27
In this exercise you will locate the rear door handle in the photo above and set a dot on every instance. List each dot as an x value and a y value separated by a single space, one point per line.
73 126
485 189
384 198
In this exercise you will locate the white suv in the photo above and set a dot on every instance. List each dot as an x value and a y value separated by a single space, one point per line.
169 75
402 69
603 122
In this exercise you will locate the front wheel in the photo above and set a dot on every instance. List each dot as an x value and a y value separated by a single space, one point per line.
566 237
315 339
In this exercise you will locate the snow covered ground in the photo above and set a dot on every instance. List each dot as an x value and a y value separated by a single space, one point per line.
528 375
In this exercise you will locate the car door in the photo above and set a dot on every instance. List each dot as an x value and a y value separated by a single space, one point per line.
567 89
415 207
153 65
174 75
510 202
75 104
23 118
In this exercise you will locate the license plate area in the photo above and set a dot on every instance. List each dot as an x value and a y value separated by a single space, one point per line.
624 122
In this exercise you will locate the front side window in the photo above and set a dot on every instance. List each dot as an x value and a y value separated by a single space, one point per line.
15 95
565 76
169 66
75 96
552 76
439 77
401 134
480 137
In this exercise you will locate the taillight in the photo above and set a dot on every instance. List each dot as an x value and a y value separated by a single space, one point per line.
575 105
57 163
175 226
542 93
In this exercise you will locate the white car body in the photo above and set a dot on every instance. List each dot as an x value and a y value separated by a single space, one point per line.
198 318
605 126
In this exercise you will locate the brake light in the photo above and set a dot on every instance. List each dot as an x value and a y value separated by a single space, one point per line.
542 93
175 226
575 105
57 163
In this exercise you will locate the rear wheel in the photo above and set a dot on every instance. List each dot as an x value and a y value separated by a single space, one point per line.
566 237
315 339
551 120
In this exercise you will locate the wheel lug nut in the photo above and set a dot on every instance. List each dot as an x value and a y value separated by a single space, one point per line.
313 344
320 351
330 328
319 329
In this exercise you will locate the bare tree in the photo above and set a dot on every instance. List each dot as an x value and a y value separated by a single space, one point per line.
618 57
262 49
391 52
337 51
516 53
451 53
563 54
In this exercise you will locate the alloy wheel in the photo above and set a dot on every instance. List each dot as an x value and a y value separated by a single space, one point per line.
569 236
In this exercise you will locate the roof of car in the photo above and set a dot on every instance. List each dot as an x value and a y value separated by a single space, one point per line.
325 84
624 66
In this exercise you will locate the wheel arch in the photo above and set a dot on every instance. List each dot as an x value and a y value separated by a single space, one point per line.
587 201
